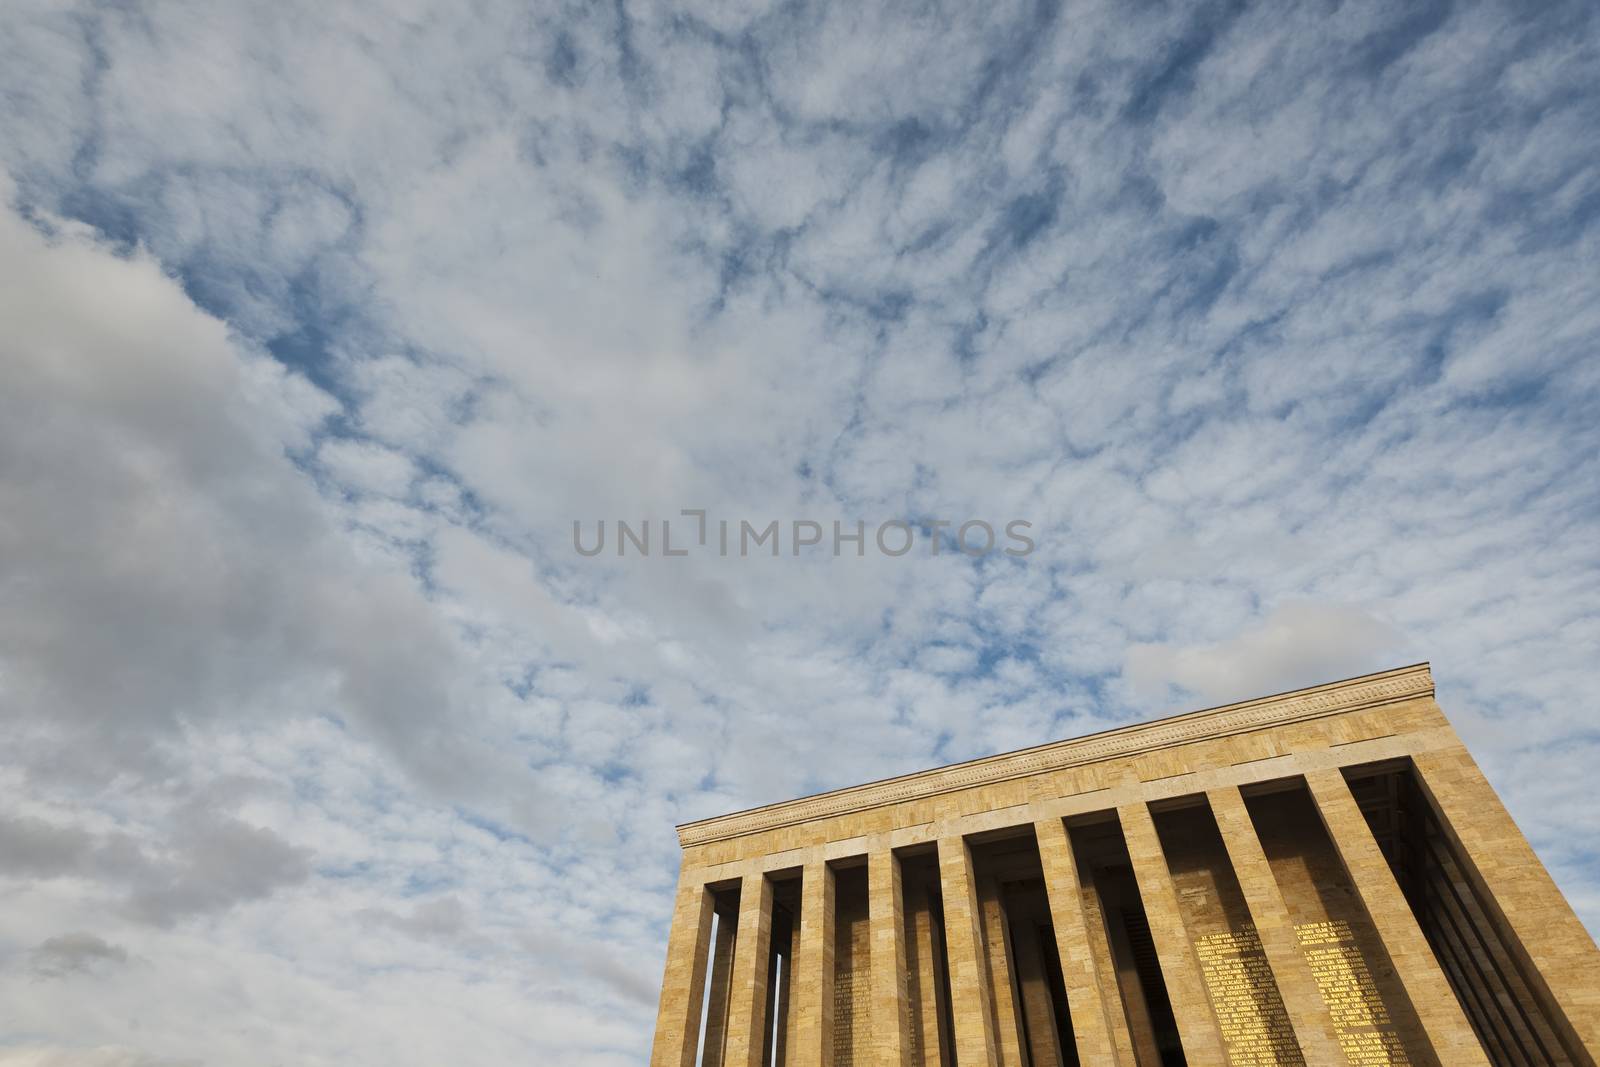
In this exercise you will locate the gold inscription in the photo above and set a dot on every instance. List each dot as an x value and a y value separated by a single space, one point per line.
844 1018
1244 996
1359 1016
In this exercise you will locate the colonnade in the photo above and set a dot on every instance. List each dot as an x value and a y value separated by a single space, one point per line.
1237 913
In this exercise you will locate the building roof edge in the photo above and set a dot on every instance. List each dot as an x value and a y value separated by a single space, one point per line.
1328 698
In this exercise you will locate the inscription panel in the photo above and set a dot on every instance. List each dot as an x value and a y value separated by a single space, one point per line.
1254 1024
844 1015
1366 1032
852 962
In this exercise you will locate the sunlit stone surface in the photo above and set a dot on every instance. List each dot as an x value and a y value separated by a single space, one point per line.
1317 877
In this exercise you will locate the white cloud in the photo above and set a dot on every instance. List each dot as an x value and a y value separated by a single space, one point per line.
103 1056
154 513
1296 645
367 467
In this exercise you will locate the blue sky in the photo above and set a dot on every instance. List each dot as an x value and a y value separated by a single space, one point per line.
323 323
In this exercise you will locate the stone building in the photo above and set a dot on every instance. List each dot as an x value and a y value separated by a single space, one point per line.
1321 877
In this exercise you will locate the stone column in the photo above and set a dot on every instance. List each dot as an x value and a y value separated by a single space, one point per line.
721 971
1086 986
812 972
1123 1004
1308 1013
890 1015
1463 912
683 986
1419 972
1038 1008
780 1030
1552 944
1180 970
1140 1031
923 945
1002 984
969 978
747 1016
769 1025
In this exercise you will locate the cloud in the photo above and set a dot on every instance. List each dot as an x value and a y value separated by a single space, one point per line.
1296 645
442 918
223 862
193 863
75 953
632 977
32 847
155 511
367 467
102 1056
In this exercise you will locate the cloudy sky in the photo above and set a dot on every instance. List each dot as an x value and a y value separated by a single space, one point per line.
323 323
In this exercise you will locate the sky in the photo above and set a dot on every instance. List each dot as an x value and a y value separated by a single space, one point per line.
325 323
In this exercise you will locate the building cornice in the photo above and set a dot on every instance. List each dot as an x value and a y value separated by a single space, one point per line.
1334 698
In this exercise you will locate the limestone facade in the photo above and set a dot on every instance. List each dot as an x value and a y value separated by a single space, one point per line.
1322 877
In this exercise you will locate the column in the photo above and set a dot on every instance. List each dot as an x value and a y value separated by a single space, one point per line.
682 986
717 1003
747 1015
780 1032
1462 908
1086 1000
1430 994
1308 1013
1044 1042
891 1020
1002 987
969 984
1140 1030
922 944
1180 970
811 1003
1123 1004
769 1025
1556 949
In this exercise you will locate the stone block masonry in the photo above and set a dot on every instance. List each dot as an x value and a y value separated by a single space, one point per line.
1321 877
